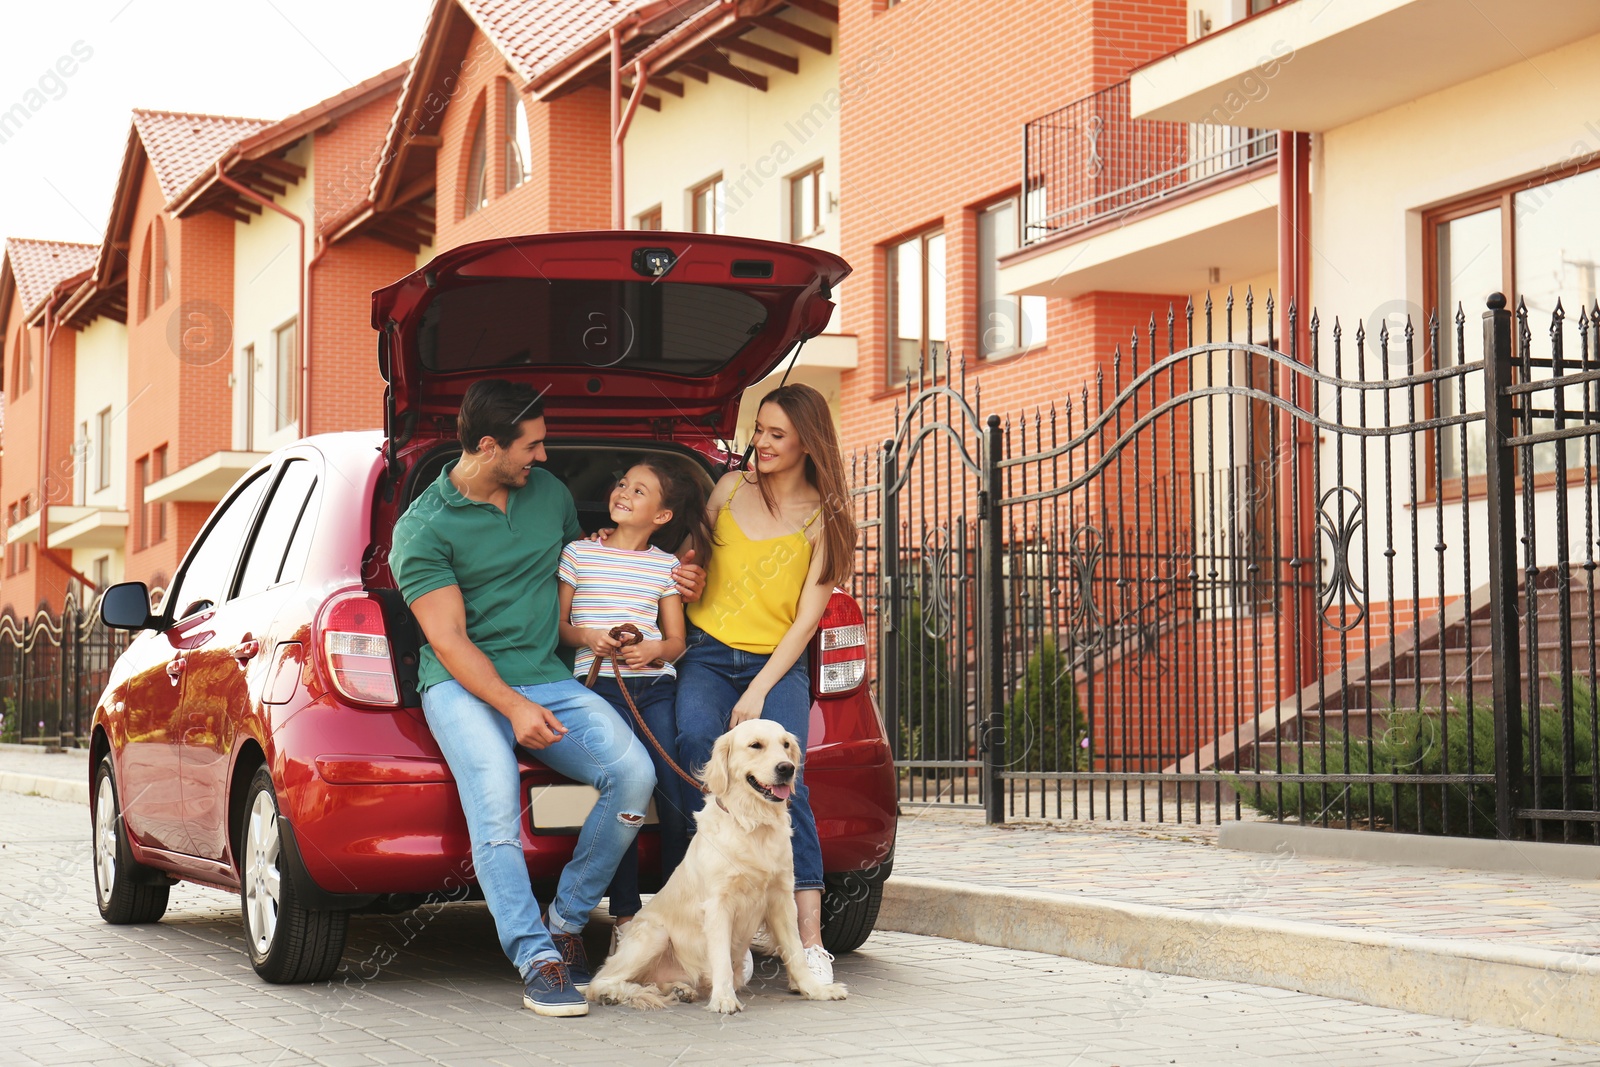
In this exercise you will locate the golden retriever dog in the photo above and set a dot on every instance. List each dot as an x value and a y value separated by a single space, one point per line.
690 940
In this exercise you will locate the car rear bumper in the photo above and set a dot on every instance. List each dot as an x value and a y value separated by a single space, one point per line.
366 825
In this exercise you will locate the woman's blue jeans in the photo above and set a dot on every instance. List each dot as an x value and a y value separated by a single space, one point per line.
598 750
711 678
654 697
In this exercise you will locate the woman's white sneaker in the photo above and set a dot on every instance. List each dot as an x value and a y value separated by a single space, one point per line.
819 961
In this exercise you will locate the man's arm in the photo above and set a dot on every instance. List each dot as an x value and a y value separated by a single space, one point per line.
442 614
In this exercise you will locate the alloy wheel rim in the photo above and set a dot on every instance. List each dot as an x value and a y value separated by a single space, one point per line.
262 883
105 840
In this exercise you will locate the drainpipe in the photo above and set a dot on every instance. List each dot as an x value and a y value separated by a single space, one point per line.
51 325
1297 643
302 327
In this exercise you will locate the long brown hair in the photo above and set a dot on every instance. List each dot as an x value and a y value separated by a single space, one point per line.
813 424
684 490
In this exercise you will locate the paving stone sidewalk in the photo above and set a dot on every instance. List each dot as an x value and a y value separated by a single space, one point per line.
1180 866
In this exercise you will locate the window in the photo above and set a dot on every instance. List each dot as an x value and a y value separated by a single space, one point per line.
102 449
285 512
286 375
519 150
100 572
208 572
805 203
27 359
648 220
163 278
1537 241
158 510
477 188
144 274
709 213
141 478
1006 324
916 318
12 517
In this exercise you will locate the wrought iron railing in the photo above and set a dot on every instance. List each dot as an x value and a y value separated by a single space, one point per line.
53 668
1091 161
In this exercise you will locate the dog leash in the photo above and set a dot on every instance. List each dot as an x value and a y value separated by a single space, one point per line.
628 635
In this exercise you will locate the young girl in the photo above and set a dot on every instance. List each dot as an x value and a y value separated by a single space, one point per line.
785 537
627 578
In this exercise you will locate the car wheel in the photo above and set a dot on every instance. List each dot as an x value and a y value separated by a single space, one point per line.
850 904
288 943
125 891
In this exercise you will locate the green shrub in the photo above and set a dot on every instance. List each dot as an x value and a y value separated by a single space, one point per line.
931 713
10 723
1418 743
1044 722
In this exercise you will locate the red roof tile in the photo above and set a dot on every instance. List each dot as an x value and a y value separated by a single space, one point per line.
181 146
533 34
39 266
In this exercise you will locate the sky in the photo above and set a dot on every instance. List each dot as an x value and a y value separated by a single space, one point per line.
256 58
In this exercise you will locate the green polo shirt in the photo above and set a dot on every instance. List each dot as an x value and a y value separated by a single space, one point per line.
505 563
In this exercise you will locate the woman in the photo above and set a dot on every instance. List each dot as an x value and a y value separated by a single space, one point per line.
784 538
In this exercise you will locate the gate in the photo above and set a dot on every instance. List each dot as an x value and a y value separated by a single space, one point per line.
53 669
1309 576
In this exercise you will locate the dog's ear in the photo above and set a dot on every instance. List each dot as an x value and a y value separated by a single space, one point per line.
718 773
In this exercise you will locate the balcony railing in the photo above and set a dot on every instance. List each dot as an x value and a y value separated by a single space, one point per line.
1089 161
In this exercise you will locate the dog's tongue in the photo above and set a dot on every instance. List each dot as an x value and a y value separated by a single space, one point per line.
781 791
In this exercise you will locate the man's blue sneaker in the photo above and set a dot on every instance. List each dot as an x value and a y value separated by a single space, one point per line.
549 991
574 955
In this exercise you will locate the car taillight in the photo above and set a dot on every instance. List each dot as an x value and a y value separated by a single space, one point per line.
841 646
354 643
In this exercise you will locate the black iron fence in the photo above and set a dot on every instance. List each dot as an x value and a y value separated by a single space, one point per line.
53 668
1256 568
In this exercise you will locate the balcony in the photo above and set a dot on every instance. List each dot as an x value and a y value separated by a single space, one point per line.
1111 202
205 481
1314 65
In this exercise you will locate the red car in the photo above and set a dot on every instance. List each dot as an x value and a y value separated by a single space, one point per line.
263 734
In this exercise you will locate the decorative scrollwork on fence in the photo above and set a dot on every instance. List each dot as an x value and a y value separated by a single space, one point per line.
938 582
1341 589
1086 624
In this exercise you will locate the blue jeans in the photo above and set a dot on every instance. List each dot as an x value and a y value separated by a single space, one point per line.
654 697
711 678
597 750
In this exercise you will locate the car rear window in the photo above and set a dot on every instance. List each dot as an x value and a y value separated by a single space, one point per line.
672 327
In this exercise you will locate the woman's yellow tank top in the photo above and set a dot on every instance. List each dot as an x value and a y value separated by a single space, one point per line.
752 586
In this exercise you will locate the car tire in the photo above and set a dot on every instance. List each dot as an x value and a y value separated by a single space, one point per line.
126 892
850 903
288 943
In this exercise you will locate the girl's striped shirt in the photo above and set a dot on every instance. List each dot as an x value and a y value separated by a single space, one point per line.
612 586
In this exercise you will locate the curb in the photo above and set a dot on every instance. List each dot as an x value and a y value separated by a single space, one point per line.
1526 988
69 790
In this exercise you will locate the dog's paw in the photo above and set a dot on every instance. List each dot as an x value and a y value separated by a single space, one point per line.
831 991
683 993
724 1004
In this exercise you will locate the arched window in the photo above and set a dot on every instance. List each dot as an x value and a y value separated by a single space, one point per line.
144 279
519 150
163 278
477 188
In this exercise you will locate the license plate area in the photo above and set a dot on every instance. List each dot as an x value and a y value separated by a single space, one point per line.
561 809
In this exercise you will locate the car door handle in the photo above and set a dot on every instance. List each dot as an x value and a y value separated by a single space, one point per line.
245 650
175 669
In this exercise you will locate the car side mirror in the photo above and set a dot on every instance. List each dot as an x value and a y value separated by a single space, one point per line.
126 606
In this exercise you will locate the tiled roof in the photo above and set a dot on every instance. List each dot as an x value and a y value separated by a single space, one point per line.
181 146
40 266
533 34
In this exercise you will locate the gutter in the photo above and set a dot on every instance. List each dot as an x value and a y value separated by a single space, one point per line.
302 319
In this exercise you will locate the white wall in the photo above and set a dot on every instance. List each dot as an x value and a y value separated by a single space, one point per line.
1372 182
755 140
101 381
266 295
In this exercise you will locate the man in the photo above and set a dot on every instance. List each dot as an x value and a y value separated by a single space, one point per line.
475 556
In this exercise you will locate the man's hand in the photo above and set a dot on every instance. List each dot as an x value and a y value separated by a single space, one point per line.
535 725
691 578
